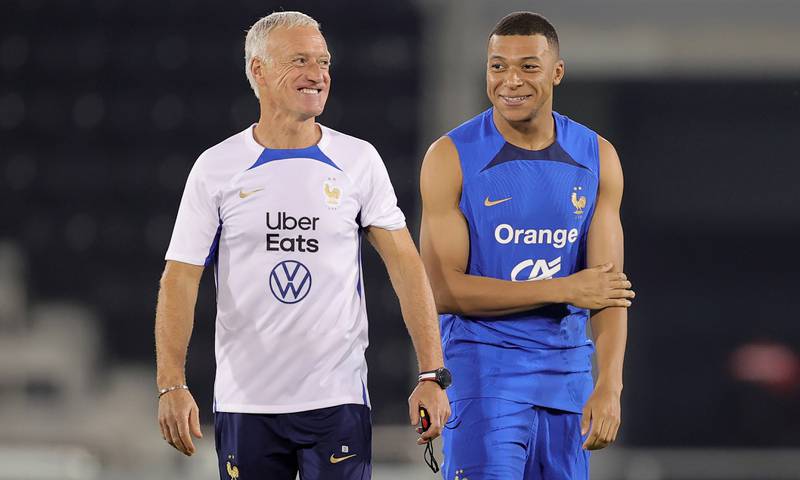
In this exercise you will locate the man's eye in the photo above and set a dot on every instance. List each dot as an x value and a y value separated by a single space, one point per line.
530 68
325 63
496 66
299 61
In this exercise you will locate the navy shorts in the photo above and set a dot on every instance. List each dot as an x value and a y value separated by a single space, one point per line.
333 443
494 439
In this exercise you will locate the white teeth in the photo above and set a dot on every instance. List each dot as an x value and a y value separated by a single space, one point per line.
309 91
516 99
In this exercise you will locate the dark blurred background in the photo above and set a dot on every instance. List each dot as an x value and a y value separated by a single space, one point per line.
105 105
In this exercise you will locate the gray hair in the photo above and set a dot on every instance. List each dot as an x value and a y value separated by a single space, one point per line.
255 44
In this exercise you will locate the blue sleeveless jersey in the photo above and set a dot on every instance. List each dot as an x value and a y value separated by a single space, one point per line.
528 213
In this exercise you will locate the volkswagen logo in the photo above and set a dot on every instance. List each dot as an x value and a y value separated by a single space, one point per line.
290 281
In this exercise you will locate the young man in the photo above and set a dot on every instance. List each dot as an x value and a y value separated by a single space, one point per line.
277 210
521 193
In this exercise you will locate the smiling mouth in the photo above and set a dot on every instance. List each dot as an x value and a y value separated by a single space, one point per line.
518 100
309 91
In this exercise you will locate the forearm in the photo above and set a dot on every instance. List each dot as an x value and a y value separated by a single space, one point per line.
419 313
173 329
610 329
474 295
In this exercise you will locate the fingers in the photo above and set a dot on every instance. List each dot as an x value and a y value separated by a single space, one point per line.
604 437
179 419
435 429
586 420
621 284
194 423
413 410
604 433
594 440
185 436
622 294
174 438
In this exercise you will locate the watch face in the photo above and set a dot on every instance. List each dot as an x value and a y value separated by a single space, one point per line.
443 377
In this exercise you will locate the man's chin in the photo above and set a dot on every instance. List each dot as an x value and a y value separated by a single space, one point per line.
511 114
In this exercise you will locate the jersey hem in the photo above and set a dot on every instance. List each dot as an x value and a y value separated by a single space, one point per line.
301 407
550 405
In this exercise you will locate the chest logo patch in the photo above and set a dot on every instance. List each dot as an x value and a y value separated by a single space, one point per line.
540 269
492 203
332 193
579 202
244 194
290 281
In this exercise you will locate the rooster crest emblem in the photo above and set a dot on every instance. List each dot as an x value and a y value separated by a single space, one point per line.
579 202
333 194
233 471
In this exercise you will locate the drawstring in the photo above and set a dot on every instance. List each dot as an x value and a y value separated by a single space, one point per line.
430 460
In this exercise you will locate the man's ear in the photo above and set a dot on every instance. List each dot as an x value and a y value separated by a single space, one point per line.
558 72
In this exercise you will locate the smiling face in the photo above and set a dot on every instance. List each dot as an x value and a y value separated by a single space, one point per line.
521 73
295 80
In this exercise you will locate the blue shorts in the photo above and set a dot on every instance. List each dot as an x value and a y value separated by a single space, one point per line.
494 439
332 443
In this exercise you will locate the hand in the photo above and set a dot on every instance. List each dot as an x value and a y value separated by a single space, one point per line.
178 416
431 396
601 418
598 287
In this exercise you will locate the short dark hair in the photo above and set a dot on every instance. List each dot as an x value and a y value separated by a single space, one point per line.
526 23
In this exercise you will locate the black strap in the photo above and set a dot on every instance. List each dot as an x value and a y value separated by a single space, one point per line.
430 460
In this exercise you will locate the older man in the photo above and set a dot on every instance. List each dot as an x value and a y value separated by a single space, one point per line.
277 210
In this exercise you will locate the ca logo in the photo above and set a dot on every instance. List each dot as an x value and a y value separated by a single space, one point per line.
539 269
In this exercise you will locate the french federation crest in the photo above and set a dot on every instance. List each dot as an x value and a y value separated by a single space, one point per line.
332 193
579 202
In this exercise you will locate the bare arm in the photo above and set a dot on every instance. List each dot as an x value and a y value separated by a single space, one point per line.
444 244
408 278
609 325
411 285
178 412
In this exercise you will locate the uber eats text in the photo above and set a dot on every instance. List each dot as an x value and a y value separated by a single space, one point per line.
286 233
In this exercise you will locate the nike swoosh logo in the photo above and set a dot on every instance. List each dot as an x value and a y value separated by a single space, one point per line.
341 459
492 203
243 194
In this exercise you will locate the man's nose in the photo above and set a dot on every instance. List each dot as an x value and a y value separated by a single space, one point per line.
513 79
314 72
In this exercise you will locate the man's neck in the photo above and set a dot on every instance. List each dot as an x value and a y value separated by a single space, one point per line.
275 130
536 133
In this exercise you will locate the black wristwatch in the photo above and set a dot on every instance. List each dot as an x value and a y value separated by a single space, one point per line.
440 375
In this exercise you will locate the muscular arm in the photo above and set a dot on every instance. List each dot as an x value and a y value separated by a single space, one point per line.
444 245
419 313
609 325
178 415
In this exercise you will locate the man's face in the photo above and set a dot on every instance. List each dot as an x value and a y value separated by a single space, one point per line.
296 79
521 72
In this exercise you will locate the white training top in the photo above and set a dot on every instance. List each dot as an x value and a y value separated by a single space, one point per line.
282 228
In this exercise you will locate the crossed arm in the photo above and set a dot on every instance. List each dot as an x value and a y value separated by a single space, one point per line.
444 245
